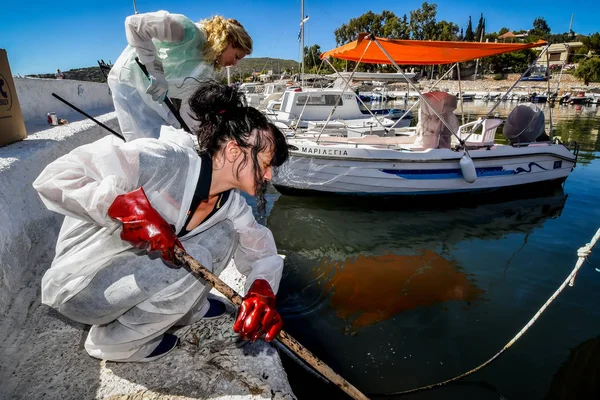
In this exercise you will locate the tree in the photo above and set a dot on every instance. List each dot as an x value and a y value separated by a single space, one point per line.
391 24
312 58
480 30
404 28
540 26
469 35
386 25
517 61
559 38
422 22
446 31
394 27
540 30
592 43
369 22
588 70
502 31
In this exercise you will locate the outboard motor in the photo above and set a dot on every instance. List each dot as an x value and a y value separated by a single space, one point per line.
524 124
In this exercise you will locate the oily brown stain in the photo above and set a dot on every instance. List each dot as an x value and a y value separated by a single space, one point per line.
369 289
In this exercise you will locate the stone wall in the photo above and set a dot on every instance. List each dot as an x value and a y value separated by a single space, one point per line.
488 84
36 100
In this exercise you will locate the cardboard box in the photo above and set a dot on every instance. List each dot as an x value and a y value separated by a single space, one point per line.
12 126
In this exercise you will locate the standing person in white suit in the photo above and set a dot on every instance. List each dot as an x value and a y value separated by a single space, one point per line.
127 204
178 55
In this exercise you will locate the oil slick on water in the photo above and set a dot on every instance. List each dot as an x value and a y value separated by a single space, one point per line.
365 290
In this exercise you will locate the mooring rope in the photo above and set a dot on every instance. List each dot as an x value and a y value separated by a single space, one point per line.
582 255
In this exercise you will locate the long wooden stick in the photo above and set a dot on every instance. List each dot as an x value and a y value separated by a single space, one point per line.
285 338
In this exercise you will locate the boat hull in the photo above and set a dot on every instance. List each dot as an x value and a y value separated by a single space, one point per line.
332 169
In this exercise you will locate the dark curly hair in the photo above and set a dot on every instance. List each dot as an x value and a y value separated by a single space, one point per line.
223 115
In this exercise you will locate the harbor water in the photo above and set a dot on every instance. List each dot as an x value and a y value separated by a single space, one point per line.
395 295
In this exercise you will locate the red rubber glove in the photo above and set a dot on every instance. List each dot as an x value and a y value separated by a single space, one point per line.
257 314
143 226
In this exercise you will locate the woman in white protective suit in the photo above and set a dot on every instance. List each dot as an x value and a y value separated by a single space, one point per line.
178 54
127 204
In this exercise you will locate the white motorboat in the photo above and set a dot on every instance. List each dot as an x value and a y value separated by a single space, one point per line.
377 166
258 94
442 157
300 107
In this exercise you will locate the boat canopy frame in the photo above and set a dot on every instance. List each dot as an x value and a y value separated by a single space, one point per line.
426 52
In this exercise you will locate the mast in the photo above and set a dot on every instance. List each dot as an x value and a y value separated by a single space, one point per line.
302 40
571 33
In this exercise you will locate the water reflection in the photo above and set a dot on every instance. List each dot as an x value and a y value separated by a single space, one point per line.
337 228
371 261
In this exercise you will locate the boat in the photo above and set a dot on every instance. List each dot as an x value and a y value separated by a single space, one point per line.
466 96
442 157
579 98
538 95
535 78
258 95
300 107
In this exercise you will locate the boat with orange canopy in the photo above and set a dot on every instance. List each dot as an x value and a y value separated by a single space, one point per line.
442 157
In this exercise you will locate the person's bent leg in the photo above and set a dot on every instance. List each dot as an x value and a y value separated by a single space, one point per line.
133 301
136 333
148 320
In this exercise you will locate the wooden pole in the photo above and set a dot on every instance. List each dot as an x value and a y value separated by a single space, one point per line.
286 339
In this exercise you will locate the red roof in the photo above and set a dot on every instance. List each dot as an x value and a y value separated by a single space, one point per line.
506 35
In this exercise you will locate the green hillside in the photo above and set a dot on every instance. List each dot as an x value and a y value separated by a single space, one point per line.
244 68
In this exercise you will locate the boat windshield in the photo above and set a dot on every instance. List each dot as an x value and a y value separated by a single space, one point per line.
319 99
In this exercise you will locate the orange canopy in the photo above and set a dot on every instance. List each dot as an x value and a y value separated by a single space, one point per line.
421 52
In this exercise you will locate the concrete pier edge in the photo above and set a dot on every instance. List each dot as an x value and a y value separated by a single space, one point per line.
42 354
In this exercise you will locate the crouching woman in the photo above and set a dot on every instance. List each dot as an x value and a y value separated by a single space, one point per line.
127 205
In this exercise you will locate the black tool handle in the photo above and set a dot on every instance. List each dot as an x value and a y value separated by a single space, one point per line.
88 115
168 102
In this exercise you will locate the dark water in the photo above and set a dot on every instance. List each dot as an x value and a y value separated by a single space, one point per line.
395 296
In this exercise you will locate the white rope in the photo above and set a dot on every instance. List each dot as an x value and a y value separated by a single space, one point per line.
582 253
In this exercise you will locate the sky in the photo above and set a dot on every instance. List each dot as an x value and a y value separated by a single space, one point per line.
41 36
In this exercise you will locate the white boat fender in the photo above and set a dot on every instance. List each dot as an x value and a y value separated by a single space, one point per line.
468 169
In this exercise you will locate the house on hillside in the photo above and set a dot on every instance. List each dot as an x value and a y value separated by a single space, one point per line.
560 53
507 37
522 36
511 37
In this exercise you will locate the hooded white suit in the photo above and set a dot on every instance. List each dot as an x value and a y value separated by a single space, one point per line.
175 41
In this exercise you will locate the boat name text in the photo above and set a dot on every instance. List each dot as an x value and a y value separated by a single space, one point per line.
325 152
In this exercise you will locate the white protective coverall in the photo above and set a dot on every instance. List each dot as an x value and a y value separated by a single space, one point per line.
82 185
179 44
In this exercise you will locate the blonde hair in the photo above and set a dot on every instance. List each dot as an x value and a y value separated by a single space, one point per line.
221 32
